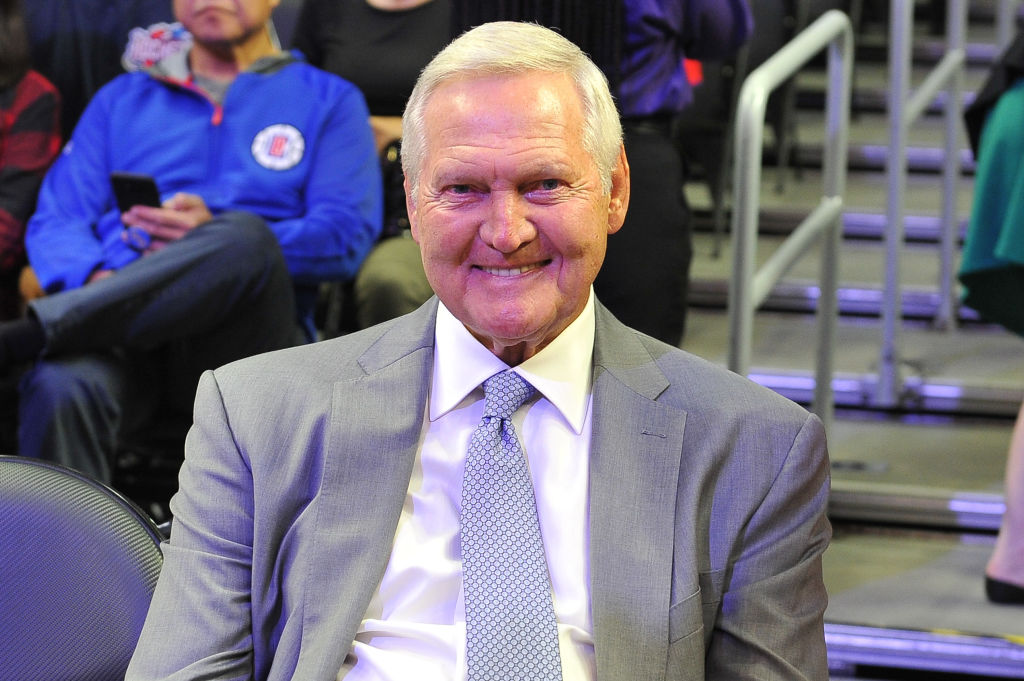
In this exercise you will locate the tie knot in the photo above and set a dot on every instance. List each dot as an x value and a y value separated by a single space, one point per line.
504 393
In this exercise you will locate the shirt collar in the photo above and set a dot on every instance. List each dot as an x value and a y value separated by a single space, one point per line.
561 372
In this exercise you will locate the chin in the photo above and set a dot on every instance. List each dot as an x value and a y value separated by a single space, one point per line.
516 330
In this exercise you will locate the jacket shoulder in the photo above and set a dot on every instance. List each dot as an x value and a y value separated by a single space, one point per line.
701 387
325 361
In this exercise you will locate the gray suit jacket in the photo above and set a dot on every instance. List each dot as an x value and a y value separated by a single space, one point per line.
707 513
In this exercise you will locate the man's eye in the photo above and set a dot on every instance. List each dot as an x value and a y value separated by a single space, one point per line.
459 188
549 185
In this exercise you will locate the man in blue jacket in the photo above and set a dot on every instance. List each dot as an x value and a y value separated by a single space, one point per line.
269 186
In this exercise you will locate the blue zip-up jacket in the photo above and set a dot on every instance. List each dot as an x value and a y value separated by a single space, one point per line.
290 143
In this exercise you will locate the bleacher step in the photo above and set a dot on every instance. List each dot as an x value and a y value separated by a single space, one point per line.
976 371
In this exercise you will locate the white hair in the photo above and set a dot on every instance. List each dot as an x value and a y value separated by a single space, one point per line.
514 48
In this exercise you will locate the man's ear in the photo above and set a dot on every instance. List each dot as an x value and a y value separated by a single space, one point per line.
618 200
410 208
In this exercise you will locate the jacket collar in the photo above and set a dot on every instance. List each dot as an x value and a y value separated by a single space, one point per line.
175 66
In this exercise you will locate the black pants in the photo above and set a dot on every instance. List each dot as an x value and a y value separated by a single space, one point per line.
646 273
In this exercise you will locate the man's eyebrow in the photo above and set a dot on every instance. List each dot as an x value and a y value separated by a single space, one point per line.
447 179
449 169
545 168
456 171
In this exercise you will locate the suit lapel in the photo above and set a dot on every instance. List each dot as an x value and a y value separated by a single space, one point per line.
634 468
375 428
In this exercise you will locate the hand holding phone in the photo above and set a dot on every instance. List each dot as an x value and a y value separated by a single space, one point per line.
134 189
160 223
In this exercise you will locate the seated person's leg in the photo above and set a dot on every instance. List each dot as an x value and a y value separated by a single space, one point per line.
219 294
71 409
225 270
391 282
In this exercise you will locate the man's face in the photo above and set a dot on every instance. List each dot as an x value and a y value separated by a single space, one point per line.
223 22
510 215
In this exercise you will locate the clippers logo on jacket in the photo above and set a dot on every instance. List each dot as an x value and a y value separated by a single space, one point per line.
278 147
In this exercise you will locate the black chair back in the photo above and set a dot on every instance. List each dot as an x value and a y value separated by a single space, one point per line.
78 565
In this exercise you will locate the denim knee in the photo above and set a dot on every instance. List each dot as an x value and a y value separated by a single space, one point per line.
244 235
53 389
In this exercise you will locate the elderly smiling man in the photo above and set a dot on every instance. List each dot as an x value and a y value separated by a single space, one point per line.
507 483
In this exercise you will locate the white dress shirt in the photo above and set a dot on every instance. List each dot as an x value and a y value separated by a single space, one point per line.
415 625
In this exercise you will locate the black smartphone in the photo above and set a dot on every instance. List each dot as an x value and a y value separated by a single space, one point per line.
134 189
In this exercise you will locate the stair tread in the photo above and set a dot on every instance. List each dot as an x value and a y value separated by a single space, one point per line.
980 356
866 192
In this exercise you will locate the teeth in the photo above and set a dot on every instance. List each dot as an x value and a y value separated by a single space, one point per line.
505 272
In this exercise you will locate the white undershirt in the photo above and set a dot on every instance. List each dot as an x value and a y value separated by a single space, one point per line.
415 625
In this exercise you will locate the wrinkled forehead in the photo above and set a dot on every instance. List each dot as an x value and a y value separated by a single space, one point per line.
479 84
534 103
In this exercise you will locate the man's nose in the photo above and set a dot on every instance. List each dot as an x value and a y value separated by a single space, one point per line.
506 226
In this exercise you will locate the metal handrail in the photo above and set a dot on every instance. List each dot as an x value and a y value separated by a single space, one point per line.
1006 22
904 109
747 289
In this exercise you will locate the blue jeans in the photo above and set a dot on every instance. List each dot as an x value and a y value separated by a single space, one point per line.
129 348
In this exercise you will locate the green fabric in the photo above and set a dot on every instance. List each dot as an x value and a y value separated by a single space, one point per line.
992 267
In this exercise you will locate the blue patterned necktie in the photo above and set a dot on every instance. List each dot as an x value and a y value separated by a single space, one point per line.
511 631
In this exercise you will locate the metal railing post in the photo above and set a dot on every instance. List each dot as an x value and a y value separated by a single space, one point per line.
903 110
956 57
749 136
1006 22
836 148
900 21
748 289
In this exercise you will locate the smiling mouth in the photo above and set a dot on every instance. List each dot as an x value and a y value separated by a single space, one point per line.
511 271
